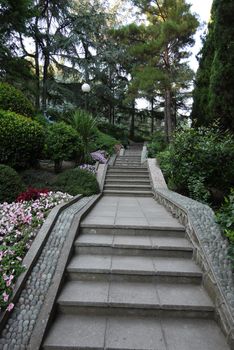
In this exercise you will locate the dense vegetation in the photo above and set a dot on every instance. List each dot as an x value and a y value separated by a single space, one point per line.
214 91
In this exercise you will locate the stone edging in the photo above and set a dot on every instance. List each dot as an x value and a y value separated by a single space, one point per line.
34 252
27 322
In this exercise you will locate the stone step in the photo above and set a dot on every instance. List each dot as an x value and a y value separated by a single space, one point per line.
110 244
127 164
146 299
128 187
135 231
141 170
126 181
128 193
91 332
150 268
127 176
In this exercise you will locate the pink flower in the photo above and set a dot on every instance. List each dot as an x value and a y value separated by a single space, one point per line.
5 296
10 307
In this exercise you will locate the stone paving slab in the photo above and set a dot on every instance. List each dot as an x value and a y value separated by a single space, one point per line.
152 295
76 332
187 334
133 265
130 332
126 211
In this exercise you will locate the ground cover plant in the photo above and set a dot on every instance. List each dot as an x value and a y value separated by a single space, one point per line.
19 224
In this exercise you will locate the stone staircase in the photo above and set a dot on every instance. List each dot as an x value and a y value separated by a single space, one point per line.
128 176
132 287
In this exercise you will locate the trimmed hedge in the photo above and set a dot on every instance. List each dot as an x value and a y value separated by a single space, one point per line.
77 181
12 99
10 184
21 140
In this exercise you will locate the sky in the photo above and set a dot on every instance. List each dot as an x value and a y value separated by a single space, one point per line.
202 8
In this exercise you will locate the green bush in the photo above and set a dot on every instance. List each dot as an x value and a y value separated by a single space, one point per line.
156 145
62 142
86 127
21 140
225 216
116 131
11 184
77 181
12 99
105 142
200 163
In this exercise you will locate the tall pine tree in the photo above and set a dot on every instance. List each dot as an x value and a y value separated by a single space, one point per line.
214 89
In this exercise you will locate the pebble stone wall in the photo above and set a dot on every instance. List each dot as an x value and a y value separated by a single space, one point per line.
18 330
201 218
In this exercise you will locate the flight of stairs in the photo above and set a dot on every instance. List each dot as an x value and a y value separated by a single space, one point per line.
130 287
128 176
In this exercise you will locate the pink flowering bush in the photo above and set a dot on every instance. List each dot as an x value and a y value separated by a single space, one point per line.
19 224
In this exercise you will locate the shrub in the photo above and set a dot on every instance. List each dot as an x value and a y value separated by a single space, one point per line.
21 140
10 184
62 142
77 181
31 194
225 216
116 131
200 155
12 99
86 127
156 145
105 142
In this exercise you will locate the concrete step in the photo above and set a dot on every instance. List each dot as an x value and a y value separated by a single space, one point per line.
150 268
128 193
128 187
146 299
129 169
126 181
168 231
110 244
90 332
127 176
127 164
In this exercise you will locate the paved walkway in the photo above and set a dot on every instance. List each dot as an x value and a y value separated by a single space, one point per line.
130 211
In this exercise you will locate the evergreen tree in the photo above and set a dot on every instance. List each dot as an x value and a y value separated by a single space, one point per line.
214 88
159 48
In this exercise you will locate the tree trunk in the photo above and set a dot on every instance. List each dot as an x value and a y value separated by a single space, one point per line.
132 123
152 116
167 113
37 69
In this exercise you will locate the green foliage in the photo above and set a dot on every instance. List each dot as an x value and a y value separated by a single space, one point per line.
62 142
77 181
200 163
116 131
11 184
21 140
12 99
86 126
214 88
157 144
105 142
225 216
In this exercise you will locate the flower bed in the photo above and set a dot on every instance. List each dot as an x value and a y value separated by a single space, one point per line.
19 224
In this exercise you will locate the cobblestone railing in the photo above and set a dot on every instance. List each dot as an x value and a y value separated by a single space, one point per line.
210 252
18 330
210 247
